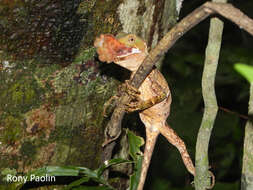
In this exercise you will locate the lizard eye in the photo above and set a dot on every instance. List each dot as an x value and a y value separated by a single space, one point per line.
131 39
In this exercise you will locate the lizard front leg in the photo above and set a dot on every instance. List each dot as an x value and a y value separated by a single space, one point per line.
144 104
151 136
137 104
125 87
175 140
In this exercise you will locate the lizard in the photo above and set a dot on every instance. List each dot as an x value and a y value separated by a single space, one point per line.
152 100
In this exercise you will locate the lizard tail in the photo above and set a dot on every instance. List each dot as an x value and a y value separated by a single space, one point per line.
151 137
175 140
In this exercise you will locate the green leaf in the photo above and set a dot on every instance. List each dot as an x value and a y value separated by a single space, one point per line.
76 183
56 171
134 178
245 70
86 174
135 142
110 163
93 174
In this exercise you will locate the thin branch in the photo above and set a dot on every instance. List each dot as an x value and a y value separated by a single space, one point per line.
113 128
247 172
234 113
199 14
201 180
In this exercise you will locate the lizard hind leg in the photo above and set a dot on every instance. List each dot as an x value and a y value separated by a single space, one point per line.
175 140
151 136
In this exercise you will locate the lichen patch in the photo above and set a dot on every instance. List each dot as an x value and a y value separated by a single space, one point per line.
128 15
40 120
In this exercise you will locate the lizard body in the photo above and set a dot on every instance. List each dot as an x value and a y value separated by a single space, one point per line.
154 97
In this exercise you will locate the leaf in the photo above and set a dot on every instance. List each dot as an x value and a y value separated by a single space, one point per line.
76 183
92 174
70 171
86 174
135 142
134 178
245 70
56 171
110 163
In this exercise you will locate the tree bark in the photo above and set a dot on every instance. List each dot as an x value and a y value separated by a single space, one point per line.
208 90
52 88
247 171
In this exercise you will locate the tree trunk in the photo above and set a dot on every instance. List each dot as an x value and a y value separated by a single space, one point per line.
52 89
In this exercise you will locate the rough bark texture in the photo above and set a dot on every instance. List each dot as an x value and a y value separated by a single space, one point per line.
247 166
52 90
211 108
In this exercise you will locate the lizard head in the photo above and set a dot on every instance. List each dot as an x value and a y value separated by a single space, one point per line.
126 50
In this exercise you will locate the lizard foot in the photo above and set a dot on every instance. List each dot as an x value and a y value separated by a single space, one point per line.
132 106
136 103
129 89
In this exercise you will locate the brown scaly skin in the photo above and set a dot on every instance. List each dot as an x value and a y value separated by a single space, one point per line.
153 101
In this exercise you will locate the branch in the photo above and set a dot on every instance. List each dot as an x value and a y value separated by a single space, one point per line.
247 173
202 180
113 128
199 14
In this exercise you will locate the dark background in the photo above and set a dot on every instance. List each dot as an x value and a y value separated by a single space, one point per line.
182 68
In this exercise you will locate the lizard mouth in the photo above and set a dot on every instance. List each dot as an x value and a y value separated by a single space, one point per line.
122 57
133 51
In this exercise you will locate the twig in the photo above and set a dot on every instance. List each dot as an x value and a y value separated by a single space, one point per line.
235 113
113 128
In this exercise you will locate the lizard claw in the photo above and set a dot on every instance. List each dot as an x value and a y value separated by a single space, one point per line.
134 95
132 92
129 89
131 107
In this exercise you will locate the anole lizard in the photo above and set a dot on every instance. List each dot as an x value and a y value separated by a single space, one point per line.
152 99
